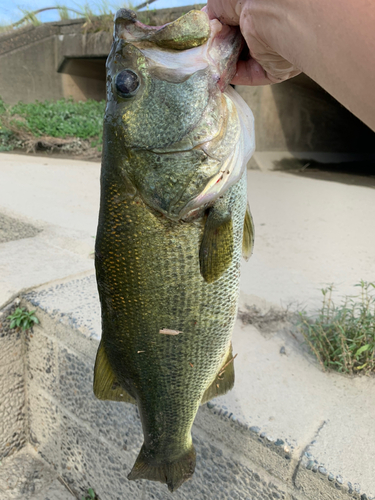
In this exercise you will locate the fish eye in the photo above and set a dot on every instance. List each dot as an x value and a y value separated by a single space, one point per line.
127 83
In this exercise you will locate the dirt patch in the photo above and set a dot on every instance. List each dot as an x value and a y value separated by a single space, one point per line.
22 140
265 322
13 229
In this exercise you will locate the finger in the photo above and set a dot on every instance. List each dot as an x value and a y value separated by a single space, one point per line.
250 72
223 11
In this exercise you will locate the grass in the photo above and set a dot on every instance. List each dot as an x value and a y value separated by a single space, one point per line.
56 124
99 13
91 495
21 318
343 337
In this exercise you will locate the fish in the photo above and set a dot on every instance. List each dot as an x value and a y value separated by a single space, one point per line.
173 223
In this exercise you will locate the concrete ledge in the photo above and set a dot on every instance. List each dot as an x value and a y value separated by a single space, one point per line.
13 418
243 451
92 443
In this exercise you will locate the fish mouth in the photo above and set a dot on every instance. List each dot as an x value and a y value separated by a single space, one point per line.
178 49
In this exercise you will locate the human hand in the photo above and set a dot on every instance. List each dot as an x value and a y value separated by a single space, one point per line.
264 65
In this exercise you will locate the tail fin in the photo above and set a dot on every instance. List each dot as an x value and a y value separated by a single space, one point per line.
174 474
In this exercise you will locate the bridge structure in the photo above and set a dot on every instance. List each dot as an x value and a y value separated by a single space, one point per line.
67 59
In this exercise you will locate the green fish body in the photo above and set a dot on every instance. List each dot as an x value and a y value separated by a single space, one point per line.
173 224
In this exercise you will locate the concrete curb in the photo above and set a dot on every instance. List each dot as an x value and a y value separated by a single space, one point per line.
92 443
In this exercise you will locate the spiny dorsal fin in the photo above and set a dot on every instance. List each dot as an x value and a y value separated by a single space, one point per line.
224 380
248 235
105 382
216 251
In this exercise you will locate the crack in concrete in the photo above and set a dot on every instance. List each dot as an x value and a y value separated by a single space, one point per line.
65 484
299 462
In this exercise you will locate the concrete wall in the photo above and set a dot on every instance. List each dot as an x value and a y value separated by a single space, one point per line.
27 73
13 413
298 115
93 443
47 406
57 62
62 59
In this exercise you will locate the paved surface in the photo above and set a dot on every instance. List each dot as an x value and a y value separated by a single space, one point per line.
25 476
48 218
310 232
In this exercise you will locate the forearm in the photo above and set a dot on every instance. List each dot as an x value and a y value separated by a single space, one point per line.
332 41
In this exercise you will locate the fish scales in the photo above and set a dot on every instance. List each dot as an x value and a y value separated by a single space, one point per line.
169 244
150 267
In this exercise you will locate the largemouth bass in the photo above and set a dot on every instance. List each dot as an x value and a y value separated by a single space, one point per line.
172 226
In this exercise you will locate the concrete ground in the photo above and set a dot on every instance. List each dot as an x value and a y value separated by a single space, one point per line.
58 201
311 231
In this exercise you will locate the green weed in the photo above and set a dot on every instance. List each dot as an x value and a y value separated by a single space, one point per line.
21 318
62 118
64 13
343 337
91 11
22 124
6 139
91 495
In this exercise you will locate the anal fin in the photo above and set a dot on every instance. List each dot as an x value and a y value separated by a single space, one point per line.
224 380
248 235
106 385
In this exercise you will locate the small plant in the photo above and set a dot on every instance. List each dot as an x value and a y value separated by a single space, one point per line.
91 495
21 318
343 337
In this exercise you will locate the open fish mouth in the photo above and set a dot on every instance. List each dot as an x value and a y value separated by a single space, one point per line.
178 49
201 55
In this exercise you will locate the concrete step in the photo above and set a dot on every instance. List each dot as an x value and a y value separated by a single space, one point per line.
25 476
287 430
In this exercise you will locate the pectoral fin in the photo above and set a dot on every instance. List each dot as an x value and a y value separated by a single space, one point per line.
216 251
105 382
248 235
224 380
